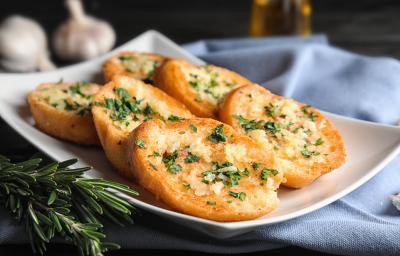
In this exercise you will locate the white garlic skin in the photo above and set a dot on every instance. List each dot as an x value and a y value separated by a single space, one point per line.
76 41
23 45
82 37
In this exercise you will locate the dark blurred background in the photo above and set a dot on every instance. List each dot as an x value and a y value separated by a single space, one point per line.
369 27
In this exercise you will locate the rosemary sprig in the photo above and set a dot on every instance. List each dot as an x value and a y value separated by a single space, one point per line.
57 200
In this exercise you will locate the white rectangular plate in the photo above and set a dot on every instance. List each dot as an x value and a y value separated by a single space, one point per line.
369 146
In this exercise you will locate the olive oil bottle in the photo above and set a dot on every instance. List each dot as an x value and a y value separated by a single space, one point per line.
280 17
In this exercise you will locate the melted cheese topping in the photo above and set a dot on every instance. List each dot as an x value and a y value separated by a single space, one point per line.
235 152
149 107
298 136
76 98
202 176
141 64
209 83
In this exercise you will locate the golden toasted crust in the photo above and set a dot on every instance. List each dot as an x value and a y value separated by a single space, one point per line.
200 88
48 106
137 65
175 160
305 141
113 126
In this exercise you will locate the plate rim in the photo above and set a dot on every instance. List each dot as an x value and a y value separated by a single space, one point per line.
227 226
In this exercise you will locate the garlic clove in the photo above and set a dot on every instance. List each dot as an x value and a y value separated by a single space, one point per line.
82 37
23 45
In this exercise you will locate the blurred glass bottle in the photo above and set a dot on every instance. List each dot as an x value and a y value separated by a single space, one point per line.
280 17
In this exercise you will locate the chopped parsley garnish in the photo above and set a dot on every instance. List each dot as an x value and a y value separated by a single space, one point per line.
156 64
265 173
245 172
170 158
229 84
234 176
271 110
274 172
174 118
126 58
76 89
85 111
153 166
218 134
305 109
211 203
71 107
169 162
193 128
310 115
140 143
249 125
148 111
155 154
194 82
122 92
125 106
319 141
307 153
191 158
197 98
205 181
187 186
226 173
272 127
174 168
240 195
255 166
109 103
213 83
205 85
208 91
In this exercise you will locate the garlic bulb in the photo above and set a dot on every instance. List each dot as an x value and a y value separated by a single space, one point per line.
23 45
396 201
82 37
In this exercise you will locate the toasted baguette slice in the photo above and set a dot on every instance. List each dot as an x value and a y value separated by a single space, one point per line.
63 111
200 88
138 65
306 142
204 168
122 105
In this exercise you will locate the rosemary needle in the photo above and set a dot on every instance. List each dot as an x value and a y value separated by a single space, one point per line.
56 200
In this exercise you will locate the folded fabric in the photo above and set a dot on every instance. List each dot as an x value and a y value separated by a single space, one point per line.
364 222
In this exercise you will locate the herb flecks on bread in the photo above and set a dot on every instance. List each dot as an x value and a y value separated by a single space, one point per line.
122 105
303 139
209 83
137 65
204 168
63 110
75 98
200 88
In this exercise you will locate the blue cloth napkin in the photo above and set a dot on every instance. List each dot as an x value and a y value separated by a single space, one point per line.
311 71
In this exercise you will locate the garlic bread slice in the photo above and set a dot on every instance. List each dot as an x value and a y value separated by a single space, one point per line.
305 141
202 167
121 106
138 65
200 88
63 110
